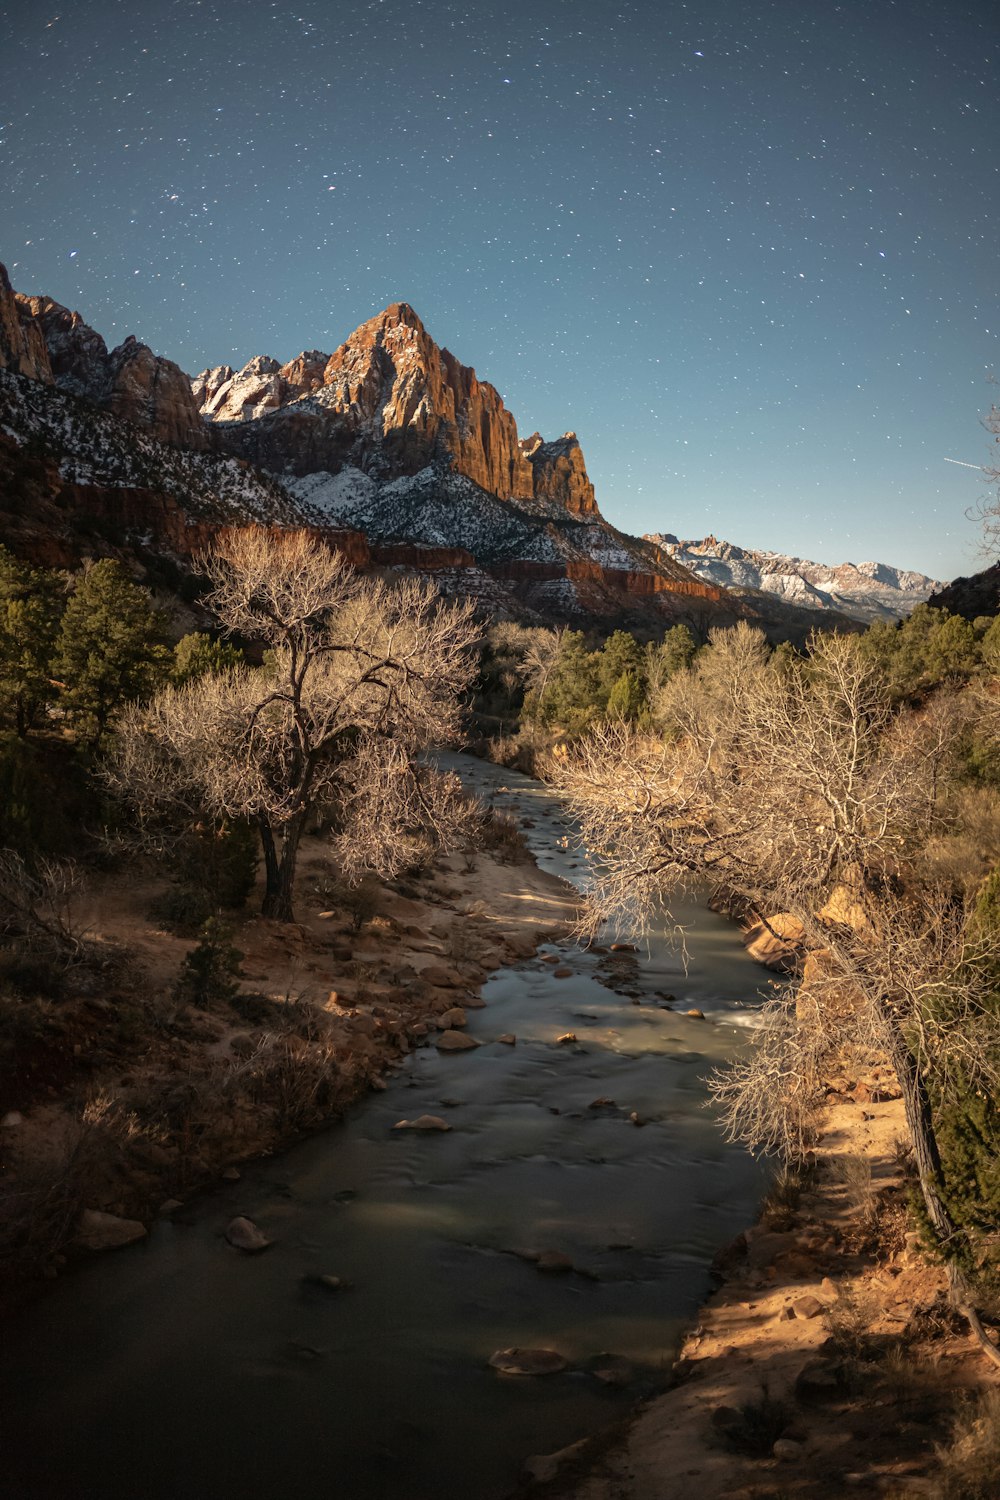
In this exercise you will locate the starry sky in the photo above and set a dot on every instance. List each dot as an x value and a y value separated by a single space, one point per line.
748 251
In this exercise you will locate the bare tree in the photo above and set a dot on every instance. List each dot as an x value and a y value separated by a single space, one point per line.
987 510
358 678
805 793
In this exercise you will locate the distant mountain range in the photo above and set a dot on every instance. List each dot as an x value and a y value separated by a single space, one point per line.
389 447
864 591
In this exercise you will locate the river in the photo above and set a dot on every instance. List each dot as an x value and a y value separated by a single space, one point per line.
179 1368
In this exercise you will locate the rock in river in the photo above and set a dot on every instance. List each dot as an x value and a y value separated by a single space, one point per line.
423 1122
244 1234
452 1020
527 1361
100 1231
455 1041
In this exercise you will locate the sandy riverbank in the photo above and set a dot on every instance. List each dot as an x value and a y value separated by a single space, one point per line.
122 1099
828 1361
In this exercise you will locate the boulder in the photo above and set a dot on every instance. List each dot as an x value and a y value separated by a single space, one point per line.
453 1019
527 1361
441 978
243 1234
455 1041
808 1307
96 1230
423 1122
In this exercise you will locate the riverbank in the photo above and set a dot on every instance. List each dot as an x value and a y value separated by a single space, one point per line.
827 1362
122 1100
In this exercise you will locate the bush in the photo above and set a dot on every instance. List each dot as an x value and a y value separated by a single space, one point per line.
360 900
208 974
183 909
46 798
968 1467
216 870
500 836
756 1426
32 975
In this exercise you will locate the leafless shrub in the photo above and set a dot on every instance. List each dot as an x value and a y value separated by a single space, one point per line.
767 1097
967 1467
36 903
850 1320
38 1210
500 836
299 1081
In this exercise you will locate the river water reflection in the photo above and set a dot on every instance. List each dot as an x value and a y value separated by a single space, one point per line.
179 1368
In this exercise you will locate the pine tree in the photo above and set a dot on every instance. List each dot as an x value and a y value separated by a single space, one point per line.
109 649
30 607
677 649
197 654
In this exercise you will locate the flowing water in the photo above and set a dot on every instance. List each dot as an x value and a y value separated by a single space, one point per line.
181 1368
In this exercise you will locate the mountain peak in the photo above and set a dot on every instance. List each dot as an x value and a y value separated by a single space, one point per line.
865 591
390 401
396 314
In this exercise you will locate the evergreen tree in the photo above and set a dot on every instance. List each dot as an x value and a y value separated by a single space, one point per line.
198 654
621 657
209 974
109 648
30 607
626 699
677 649
574 687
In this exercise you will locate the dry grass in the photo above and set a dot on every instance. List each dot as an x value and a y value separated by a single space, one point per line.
969 1467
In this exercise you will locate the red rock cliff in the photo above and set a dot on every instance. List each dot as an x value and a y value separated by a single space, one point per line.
130 381
391 400
22 344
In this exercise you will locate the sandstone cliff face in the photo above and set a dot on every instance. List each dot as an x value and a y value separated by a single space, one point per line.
417 402
130 381
22 346
391 402
261 386
559 473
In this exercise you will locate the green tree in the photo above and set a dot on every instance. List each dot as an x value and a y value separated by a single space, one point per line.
574 686
932 646
621 657
626 699
198 654
677 649
30 606
110 648
209 974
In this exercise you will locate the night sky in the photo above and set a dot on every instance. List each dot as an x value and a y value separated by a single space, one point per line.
747 251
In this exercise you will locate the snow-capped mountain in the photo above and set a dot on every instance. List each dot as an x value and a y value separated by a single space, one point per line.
864 591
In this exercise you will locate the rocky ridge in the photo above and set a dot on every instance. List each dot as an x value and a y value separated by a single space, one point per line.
46 342
389 447
863 591
390 402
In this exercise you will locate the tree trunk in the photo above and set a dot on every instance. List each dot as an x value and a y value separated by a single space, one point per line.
928 1160
280 869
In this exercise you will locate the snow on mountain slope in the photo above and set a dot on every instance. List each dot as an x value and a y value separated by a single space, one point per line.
92 447
864 591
